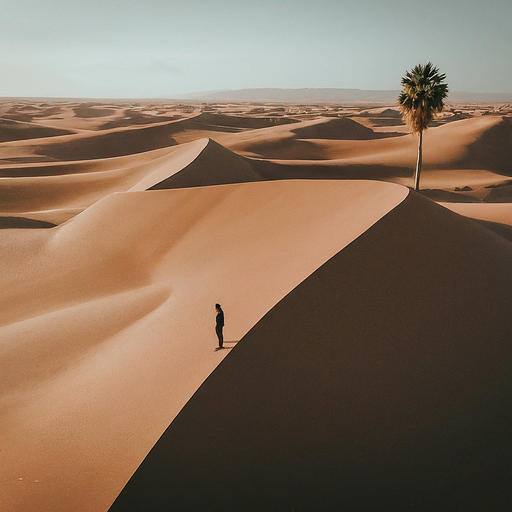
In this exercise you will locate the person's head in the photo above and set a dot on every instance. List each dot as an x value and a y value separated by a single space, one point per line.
217 307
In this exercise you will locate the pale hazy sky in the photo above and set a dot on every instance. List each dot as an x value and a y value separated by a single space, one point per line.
159 48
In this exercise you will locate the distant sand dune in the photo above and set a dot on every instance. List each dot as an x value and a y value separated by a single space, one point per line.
445 146
211 165
15 130
337 129
493 149
498 212
462 153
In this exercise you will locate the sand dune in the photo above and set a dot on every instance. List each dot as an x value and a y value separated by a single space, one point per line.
293 141
336 129
132 282
207 163
494 147
409 411
498 212
130 139
15 130
445 146
370 326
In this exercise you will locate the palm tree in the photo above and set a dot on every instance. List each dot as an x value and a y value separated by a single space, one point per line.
420 99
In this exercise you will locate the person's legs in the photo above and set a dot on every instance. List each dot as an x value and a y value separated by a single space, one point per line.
218 330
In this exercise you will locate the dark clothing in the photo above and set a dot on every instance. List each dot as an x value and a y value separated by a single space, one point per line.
219 324
218 330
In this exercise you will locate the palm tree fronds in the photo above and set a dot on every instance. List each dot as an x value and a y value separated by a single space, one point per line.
422 96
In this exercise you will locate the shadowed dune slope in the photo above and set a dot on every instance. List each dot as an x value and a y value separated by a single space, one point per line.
500 213
240 121
93 145
10 222
382 382
11 130
337 129
493 149
212 165
495 217
116 142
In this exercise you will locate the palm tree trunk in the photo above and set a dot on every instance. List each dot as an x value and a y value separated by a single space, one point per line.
418 163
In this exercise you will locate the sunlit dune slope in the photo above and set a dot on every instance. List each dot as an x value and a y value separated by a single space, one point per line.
78 185
382 382
107 320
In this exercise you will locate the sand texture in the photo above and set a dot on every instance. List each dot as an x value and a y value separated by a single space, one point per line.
367 353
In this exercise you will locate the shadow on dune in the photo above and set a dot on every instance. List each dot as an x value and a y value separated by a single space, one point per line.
447 196
88 111
52 169
493 150
504 230
11 130
131 118
114 143
500 194
240 121
24 223
214 165
382 382
335 129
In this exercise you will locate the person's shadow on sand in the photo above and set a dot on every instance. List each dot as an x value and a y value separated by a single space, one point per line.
231 343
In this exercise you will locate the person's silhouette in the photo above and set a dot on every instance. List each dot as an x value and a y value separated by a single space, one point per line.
219 324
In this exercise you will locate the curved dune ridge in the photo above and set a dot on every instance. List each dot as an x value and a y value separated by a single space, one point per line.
109 333
411 408
207 163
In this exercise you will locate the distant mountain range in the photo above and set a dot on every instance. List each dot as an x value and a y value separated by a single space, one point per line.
332 95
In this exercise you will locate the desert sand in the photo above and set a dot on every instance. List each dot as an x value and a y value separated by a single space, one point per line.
367 326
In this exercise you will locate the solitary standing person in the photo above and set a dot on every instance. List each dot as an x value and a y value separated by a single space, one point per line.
219 324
